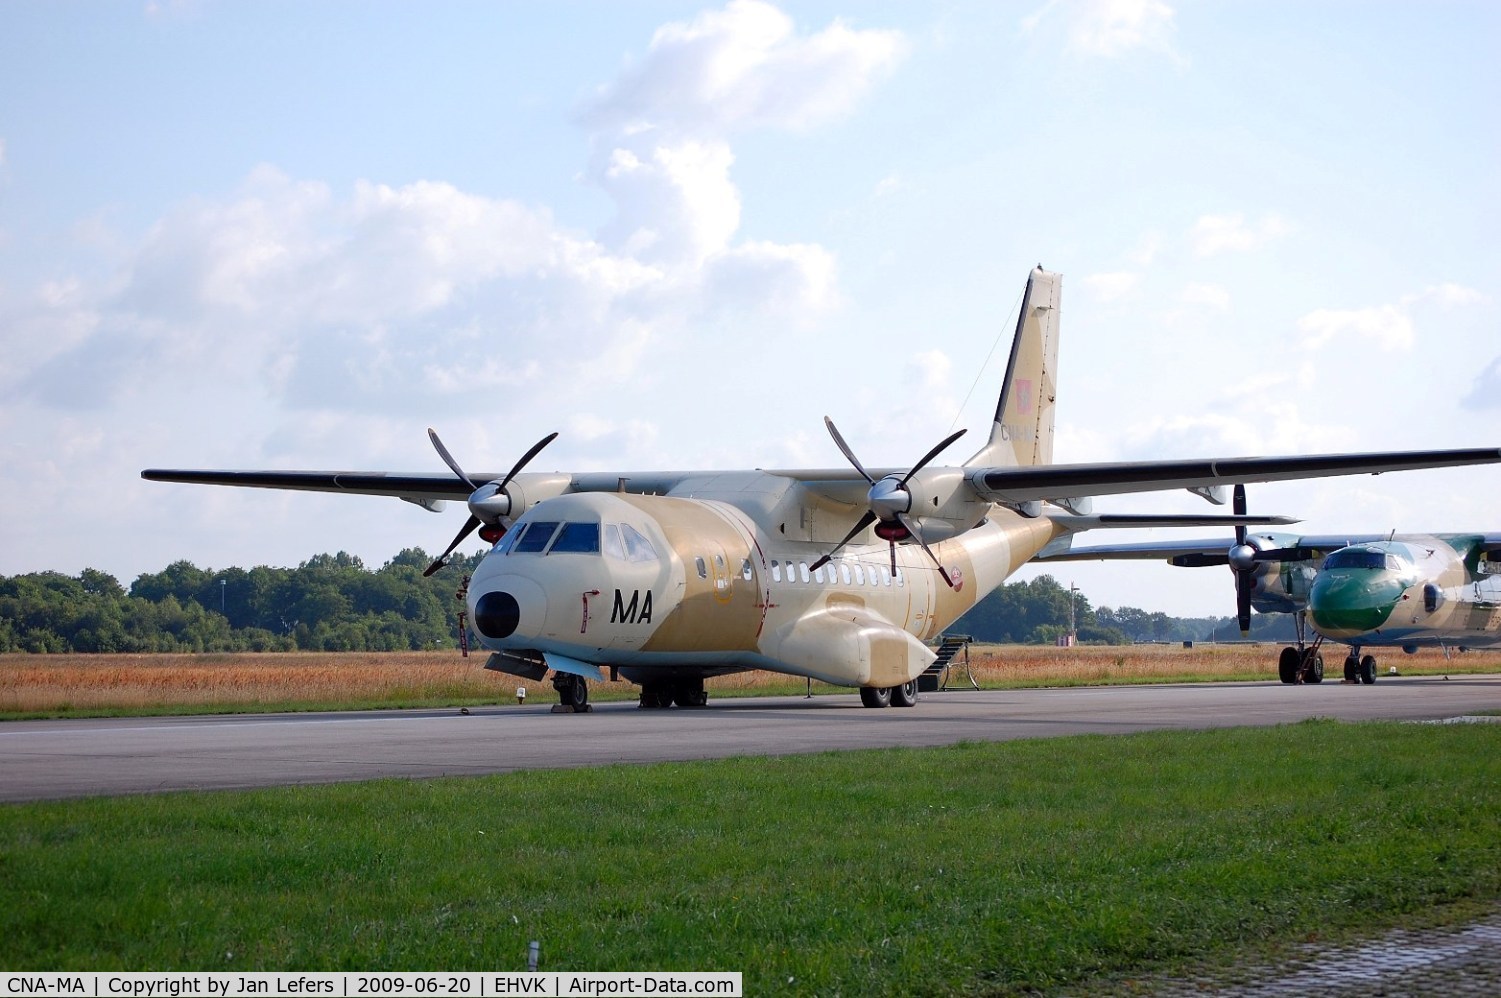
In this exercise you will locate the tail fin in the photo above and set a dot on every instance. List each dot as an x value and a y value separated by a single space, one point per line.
1022 434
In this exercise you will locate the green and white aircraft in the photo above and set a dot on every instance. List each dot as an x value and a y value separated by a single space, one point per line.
665 578
1406 591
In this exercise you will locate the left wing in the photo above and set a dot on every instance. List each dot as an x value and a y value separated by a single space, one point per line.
1019 486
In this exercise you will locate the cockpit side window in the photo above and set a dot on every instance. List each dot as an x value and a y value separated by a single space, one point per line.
538 533
576 538
614 543
637 546
508 541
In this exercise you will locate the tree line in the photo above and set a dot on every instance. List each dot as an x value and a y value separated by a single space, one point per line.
333 602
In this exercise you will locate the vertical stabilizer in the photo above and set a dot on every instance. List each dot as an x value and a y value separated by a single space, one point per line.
1022 434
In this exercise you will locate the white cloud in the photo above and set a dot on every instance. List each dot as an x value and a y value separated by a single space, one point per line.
1387 326
1214 234
1391 326
744 66
1110 28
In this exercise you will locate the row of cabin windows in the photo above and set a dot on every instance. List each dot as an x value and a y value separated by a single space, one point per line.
621 541
850 574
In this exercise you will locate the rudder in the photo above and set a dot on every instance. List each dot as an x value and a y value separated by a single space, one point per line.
1022 433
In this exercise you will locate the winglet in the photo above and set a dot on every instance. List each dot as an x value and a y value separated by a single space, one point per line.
1022 433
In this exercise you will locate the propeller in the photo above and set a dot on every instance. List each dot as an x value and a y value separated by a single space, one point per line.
887 504
1242 559
488 502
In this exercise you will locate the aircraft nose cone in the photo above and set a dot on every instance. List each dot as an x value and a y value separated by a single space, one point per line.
1348 604
496 615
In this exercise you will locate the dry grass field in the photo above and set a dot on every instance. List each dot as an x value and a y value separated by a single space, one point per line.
91 684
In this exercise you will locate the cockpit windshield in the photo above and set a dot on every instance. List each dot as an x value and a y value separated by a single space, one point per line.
1362 558
576 538
617 540
538 533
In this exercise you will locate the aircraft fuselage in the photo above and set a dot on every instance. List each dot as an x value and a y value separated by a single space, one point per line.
648 585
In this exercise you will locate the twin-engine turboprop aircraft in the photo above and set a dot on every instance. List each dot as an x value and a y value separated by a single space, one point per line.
1392 590
838 574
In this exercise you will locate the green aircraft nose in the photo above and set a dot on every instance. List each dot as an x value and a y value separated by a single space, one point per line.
1348 603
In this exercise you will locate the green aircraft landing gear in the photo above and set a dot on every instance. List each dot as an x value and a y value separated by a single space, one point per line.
1368 670
1287 665
1313 665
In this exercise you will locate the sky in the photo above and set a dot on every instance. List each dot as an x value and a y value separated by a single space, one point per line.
286 235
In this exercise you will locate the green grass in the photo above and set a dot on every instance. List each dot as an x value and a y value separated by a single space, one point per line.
994 868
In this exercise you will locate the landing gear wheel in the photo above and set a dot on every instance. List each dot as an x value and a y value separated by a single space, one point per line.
655 696
690 694
1368 670
1313 666
875 696
1287 665
904 695
573 691
1352 668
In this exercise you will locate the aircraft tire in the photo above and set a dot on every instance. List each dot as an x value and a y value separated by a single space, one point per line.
1287 665
1368 670
904 695
1313 667
573 691
875 696
1352 668
689 694
655 696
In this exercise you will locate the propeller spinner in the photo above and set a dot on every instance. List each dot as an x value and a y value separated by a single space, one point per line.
488 503
887 504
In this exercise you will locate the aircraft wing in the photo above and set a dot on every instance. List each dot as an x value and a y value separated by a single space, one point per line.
1015 486
415 487
1009 486
1204 551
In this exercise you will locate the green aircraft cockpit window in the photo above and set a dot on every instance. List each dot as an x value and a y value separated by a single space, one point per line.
625 543
538 533
1363 558
576 538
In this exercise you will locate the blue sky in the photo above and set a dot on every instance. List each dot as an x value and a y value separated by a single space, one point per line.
284 235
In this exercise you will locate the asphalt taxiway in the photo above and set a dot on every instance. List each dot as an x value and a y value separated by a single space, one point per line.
76 758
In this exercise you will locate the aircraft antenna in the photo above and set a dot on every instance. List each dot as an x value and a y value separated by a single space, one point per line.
1000 332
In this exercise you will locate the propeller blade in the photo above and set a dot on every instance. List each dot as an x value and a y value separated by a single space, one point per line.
845 449
1239 506
930 455
468 528
448 459
864 522
1243 603
526 459
916 536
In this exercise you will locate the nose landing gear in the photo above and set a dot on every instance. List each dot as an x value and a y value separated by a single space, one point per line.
573 694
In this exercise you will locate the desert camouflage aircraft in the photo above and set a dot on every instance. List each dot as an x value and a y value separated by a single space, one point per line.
1405 591
840 575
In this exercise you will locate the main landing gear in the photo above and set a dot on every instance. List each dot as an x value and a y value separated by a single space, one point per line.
1304 662
660 694
904 695
1301 663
